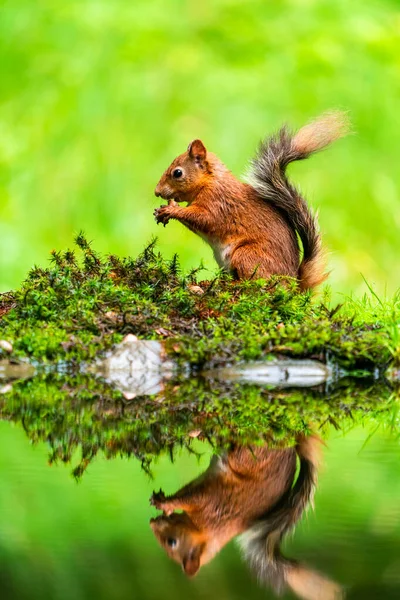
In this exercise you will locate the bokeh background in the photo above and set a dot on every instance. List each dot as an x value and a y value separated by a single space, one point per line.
97 97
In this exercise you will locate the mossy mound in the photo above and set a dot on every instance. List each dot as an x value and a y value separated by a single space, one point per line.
82 305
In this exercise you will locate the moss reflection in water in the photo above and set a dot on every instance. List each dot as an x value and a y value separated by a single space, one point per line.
82 412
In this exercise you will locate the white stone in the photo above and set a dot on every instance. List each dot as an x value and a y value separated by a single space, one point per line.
282 373
136 367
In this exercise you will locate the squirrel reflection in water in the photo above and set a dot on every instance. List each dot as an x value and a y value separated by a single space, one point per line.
251 492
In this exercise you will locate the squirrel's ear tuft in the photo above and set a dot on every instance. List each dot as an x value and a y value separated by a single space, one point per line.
197 150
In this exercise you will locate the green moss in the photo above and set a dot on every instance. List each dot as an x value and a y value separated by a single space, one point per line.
80 416
82 305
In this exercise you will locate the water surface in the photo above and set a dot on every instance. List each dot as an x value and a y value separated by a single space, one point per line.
65 537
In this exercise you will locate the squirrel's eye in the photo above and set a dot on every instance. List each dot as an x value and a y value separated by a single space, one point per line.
177 173
171 542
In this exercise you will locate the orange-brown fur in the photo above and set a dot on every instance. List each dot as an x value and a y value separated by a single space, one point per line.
247 490
252 228
226 499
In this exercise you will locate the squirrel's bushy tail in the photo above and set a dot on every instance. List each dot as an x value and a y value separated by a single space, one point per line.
267 176
261 543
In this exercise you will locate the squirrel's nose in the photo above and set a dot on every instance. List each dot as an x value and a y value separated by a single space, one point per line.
157 192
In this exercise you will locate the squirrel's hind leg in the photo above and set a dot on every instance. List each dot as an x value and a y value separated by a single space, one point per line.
249 262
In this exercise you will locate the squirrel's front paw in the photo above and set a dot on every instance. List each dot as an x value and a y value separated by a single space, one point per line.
162 214
158 499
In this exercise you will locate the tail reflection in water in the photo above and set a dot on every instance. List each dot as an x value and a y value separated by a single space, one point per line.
252 493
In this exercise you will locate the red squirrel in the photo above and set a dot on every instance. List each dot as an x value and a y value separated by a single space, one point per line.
253 228
252 492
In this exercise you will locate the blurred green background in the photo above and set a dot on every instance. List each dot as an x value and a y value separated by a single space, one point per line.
97 97
61 540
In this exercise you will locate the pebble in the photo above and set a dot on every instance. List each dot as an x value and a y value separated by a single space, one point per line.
195 433
6 388
196 289
6 346
129 339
